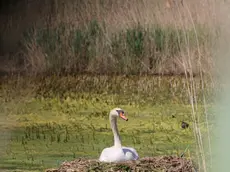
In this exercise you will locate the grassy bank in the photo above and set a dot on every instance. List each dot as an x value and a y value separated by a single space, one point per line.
51 120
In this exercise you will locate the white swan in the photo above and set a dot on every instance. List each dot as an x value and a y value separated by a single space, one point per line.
117 153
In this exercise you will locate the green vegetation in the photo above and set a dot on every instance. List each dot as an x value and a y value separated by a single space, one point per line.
52 120
108 38
136 50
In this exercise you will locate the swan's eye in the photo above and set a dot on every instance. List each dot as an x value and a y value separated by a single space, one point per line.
120 112
122 115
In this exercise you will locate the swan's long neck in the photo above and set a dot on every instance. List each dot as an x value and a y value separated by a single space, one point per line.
117 140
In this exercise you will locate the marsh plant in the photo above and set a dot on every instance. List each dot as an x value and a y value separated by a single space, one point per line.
99 37
129 51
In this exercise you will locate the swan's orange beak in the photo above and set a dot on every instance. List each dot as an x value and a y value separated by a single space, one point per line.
123 116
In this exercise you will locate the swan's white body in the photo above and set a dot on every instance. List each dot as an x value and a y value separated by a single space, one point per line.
117 153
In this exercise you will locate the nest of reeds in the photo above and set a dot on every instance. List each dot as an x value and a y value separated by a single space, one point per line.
154 164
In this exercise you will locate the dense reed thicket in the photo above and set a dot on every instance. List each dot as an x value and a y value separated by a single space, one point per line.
117 37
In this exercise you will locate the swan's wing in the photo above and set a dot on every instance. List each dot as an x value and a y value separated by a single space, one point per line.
112 155
104 155
130 153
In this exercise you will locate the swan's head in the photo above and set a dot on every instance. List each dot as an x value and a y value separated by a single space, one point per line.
118 112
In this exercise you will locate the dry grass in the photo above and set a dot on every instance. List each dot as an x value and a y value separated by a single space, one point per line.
181 25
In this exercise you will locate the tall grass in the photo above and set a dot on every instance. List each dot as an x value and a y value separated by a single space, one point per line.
90 49
131 37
